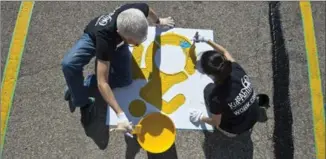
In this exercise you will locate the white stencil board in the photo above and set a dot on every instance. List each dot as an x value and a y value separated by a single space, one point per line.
171 59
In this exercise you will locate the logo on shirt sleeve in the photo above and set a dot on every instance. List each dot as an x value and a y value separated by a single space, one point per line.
245 82
103 20
241 100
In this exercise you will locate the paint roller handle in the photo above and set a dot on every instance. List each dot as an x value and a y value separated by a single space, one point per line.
122 130
123 124
198 38
136 130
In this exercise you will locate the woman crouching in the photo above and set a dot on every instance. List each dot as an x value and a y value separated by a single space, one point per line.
231 99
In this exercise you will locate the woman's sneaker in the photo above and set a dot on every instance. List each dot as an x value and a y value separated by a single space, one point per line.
263 100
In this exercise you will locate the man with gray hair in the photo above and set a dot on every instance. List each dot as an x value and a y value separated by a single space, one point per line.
107 38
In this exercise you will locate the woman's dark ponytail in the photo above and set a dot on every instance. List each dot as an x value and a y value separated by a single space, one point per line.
215 64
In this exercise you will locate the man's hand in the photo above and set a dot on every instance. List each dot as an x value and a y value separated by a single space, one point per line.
196 116
198 38
123 125
166 22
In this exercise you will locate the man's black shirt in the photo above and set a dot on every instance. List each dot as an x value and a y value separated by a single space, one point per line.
102 30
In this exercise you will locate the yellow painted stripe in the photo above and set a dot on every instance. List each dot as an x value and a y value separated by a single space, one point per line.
13 63
314 79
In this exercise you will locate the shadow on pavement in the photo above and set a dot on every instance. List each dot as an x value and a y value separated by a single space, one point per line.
262 117
133 148
98 130
264 104
282 136
217 145
170 154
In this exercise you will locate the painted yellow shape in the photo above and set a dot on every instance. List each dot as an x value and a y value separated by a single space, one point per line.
314 78
159 82
137 108
138 73
13 63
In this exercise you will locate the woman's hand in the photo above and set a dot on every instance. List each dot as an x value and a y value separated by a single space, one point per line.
196 116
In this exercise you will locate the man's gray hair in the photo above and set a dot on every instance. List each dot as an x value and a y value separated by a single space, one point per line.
132 23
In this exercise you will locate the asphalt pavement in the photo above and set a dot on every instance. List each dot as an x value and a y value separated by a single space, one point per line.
41 126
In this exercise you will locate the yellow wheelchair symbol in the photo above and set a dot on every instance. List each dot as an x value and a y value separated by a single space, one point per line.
158 82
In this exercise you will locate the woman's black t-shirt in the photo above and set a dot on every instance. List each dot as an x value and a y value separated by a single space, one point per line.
235 99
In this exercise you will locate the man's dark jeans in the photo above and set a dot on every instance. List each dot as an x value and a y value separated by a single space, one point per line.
80 55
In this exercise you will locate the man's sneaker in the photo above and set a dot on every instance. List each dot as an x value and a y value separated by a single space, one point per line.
67 97
263 100
88 112
67 94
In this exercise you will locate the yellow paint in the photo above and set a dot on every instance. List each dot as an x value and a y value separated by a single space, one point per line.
159 82
137 129
137 108
314 78
155 132
13 62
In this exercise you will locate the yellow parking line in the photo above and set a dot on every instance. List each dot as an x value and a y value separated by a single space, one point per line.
314 79
11 70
